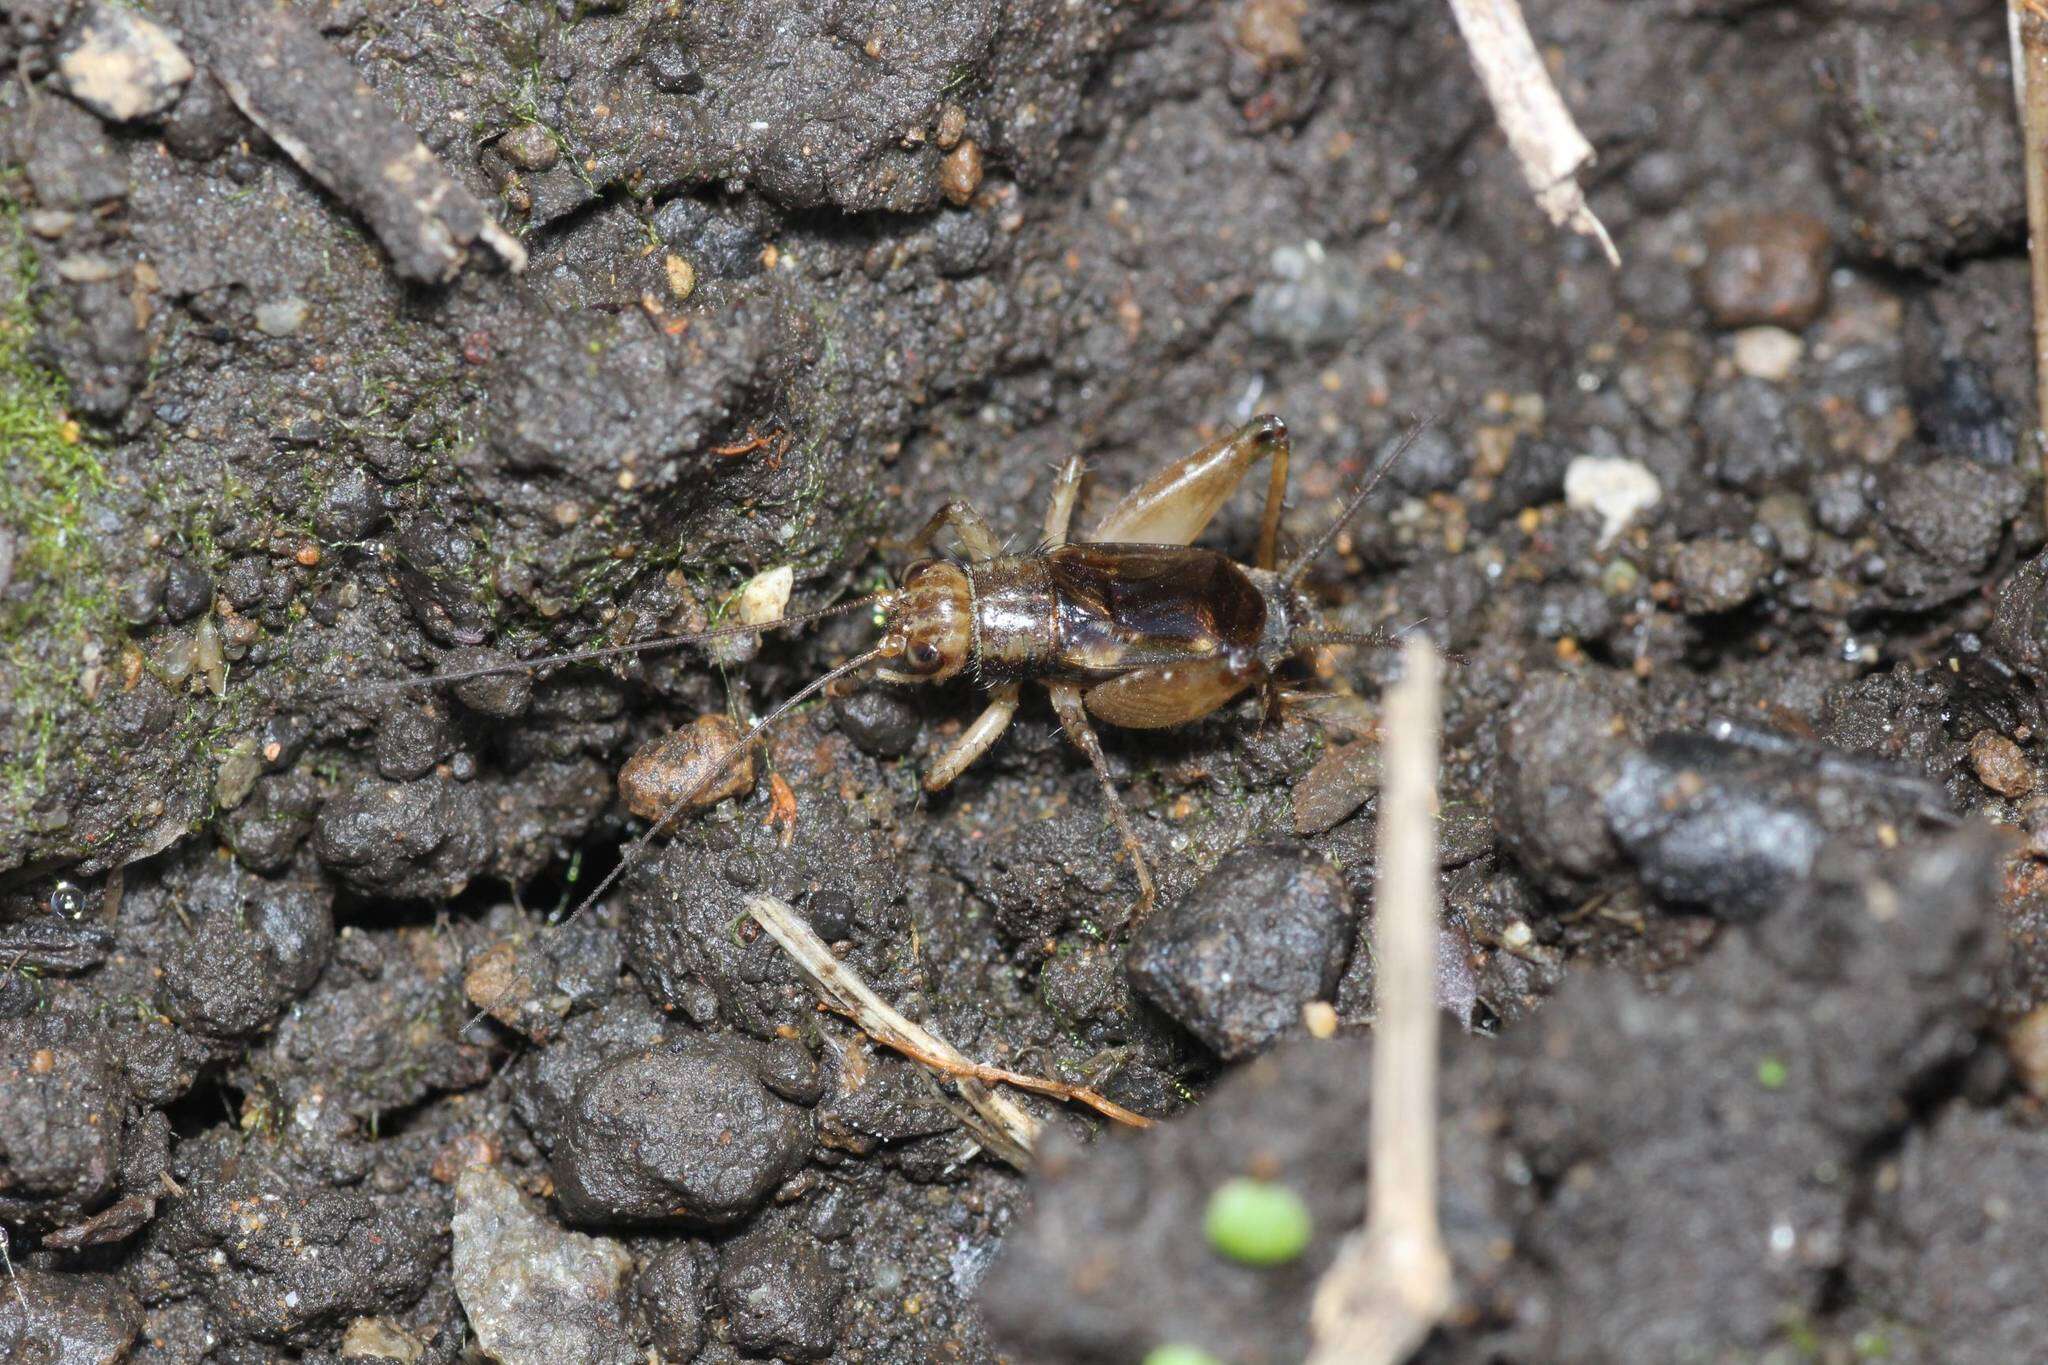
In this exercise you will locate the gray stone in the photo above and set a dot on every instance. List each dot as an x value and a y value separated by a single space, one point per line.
1262 935
535 1293
680 1134
781 1296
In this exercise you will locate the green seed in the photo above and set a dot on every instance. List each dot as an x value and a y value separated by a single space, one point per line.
1772 1074
1257 1222
1177 1354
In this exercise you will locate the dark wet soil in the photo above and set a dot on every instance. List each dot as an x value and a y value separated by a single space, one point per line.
1745 848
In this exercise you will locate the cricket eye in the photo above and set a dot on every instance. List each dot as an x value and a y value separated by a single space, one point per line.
922 656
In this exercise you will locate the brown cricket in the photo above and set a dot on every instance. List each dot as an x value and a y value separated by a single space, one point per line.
1134 627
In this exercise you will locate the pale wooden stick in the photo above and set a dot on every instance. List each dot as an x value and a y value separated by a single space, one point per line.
1539 128
845 992
2027 31
1391 1283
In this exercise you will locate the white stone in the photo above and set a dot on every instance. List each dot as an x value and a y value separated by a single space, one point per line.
766 596
1770 353
1613 489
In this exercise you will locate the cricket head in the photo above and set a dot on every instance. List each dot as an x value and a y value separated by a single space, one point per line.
930 624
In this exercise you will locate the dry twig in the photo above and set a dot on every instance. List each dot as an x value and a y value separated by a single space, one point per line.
849 995
1392 1281
1540 131
2027 29
7 1260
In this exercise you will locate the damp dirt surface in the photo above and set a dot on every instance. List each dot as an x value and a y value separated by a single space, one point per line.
497 330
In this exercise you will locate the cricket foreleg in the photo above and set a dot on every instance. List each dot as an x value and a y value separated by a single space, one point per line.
974 741
967 524
1059 513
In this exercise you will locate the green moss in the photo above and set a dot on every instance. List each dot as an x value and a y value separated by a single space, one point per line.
60 602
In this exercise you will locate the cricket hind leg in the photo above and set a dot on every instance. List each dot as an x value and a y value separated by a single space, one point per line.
976 740
1073 714
1177 504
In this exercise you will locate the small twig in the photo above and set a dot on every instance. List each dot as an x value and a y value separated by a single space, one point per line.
21 1297
2027 29
960 1068
849 995
1539 128
1391 1282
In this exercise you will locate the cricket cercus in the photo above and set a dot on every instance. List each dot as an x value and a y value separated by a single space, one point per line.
1134 627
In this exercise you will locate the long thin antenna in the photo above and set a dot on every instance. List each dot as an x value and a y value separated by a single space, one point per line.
584 656
1294 571
1369 639
631 854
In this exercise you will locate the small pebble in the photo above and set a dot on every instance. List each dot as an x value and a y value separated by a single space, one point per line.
960 172
281 317
1717 575
2026 1042
381 1339
1770 353
49 224
237 774
765 597
2000 764
781 1296
530 147
1270 30
123 65
141 594
952 126
683 762
682 277
831 914
188 590
1767 268
882 723
1616 490
503 695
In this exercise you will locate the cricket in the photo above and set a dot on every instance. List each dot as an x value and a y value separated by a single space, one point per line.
1134 626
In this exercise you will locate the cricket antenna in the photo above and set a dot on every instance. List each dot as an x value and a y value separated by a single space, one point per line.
584 656
1293 572
1367 639
632 852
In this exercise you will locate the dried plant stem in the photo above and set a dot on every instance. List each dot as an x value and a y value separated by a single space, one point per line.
2027 28
7 1260
846 993
1392 1281
1539 128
